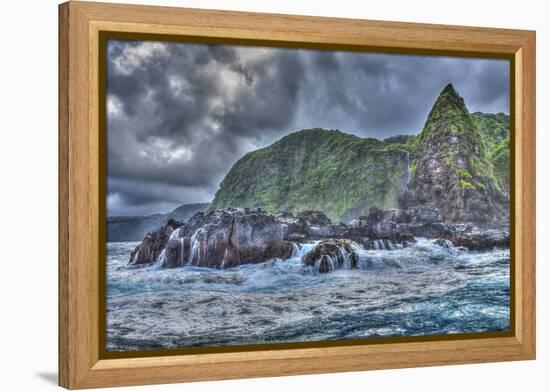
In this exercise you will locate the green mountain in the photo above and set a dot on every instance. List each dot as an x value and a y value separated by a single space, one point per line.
315 169
457 164
453 170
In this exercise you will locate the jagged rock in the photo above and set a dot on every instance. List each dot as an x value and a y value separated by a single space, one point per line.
153 243
444 243
426 214
314 218
230 237
315 224
380 224
332 254
452 169
480 240
432 230
173 253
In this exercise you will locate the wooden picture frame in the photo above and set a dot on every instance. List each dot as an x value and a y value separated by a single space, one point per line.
81 191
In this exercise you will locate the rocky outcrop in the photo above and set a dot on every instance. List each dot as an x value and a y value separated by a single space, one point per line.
332 254
231 237
315 225
153 243
483 239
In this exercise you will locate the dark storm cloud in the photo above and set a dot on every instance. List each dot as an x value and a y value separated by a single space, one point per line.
180 115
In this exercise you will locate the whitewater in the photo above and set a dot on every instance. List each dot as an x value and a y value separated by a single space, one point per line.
422 289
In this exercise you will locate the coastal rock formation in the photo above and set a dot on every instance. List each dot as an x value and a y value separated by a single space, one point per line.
153 243
458 165
332 254
483 239
231 237
452 171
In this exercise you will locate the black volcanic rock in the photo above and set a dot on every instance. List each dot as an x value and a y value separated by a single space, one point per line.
432 230
315 225
483 239
313 218
230 237
152 245
331 254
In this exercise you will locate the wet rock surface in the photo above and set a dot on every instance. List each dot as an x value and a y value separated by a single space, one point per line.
231 237
483 239
331 254
152 245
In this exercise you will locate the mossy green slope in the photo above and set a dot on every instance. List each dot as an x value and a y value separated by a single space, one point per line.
493 128
458 163
495 132
316 169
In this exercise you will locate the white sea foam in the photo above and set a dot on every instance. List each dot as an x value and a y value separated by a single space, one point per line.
401 292
175 233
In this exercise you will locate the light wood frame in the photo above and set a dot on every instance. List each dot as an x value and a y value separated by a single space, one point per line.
80 24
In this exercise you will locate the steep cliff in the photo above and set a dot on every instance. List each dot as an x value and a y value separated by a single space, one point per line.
453 169
315 169
458 164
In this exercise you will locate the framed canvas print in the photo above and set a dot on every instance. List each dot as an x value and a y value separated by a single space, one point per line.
247 195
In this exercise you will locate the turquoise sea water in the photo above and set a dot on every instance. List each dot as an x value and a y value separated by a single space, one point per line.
423 289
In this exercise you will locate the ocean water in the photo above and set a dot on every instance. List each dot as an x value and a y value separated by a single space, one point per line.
423 289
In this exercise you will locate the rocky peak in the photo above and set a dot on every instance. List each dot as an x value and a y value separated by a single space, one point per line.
449 96
453 172
449 125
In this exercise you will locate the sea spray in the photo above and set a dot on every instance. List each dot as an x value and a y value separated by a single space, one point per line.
408 291
175 234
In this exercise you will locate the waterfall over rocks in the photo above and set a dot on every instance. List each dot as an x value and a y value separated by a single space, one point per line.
408 170
231 237
331 254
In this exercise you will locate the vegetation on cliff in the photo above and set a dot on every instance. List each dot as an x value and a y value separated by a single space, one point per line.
315 169
454 170
458 163
495 132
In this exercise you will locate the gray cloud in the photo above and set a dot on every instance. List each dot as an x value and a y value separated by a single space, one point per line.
180 115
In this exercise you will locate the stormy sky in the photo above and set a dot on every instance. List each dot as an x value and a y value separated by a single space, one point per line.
180 115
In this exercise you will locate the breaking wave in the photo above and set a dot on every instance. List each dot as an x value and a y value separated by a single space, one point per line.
422 289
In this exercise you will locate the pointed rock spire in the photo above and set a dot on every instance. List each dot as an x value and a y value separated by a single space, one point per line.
449 88
452 170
